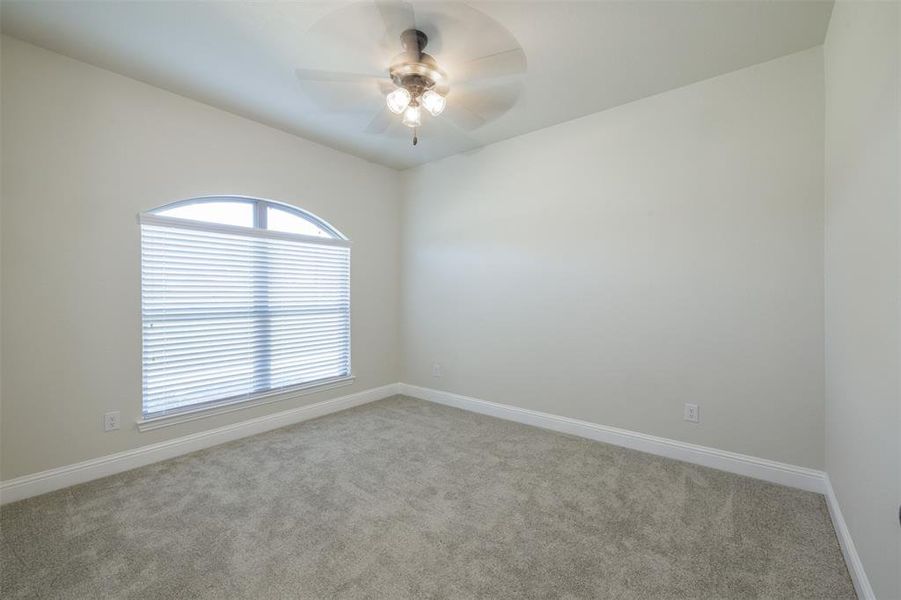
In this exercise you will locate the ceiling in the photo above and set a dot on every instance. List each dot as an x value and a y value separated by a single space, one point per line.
582 57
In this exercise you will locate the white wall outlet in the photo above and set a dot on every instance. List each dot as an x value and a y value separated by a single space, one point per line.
436 369
692 413
111 421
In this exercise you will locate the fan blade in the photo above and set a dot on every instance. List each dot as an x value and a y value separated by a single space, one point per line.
398 16
380 122
500 64
341 92
386 86
469 109
490 101
336 76
463 117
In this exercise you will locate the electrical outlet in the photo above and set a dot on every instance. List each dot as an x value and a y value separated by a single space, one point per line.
436 369
692 413
111 421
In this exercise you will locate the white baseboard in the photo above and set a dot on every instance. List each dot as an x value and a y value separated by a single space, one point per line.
852 559
759 468
54 479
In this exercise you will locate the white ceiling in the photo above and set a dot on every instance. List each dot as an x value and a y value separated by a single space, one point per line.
582 57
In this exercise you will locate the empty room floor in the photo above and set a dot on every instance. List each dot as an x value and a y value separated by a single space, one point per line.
406 499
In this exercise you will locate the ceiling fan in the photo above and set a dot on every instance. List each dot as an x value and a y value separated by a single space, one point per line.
472 91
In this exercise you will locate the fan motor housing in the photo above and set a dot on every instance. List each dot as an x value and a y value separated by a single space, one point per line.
423 74
413 69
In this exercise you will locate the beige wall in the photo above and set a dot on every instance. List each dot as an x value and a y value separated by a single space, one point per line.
84 151
615 267
862 262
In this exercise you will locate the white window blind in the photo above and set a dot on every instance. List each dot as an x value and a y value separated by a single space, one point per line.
231 312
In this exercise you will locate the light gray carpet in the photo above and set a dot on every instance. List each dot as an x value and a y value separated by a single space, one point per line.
406 499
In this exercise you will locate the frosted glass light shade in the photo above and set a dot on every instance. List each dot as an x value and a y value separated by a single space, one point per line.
412 117
434 102
398 100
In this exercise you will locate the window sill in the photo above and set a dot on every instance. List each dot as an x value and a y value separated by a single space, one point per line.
189 414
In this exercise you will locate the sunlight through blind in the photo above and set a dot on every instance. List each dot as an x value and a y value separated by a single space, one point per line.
232 312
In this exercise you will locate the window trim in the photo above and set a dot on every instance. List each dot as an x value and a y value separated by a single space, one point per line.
222 407
260 206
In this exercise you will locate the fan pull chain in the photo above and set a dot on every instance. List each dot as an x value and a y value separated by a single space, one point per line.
415 139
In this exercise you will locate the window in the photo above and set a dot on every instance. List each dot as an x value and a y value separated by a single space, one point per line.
240 298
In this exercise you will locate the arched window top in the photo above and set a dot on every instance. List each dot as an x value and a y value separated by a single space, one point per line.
255 213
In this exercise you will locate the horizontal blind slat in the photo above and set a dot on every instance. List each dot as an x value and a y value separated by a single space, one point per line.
185 313
163 347
195 336
203 361
189 382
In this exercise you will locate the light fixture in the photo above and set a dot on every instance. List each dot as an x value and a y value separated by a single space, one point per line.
412 116
433 102
398 100
419 83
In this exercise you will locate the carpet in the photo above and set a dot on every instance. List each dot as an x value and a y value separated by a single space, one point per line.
406 499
